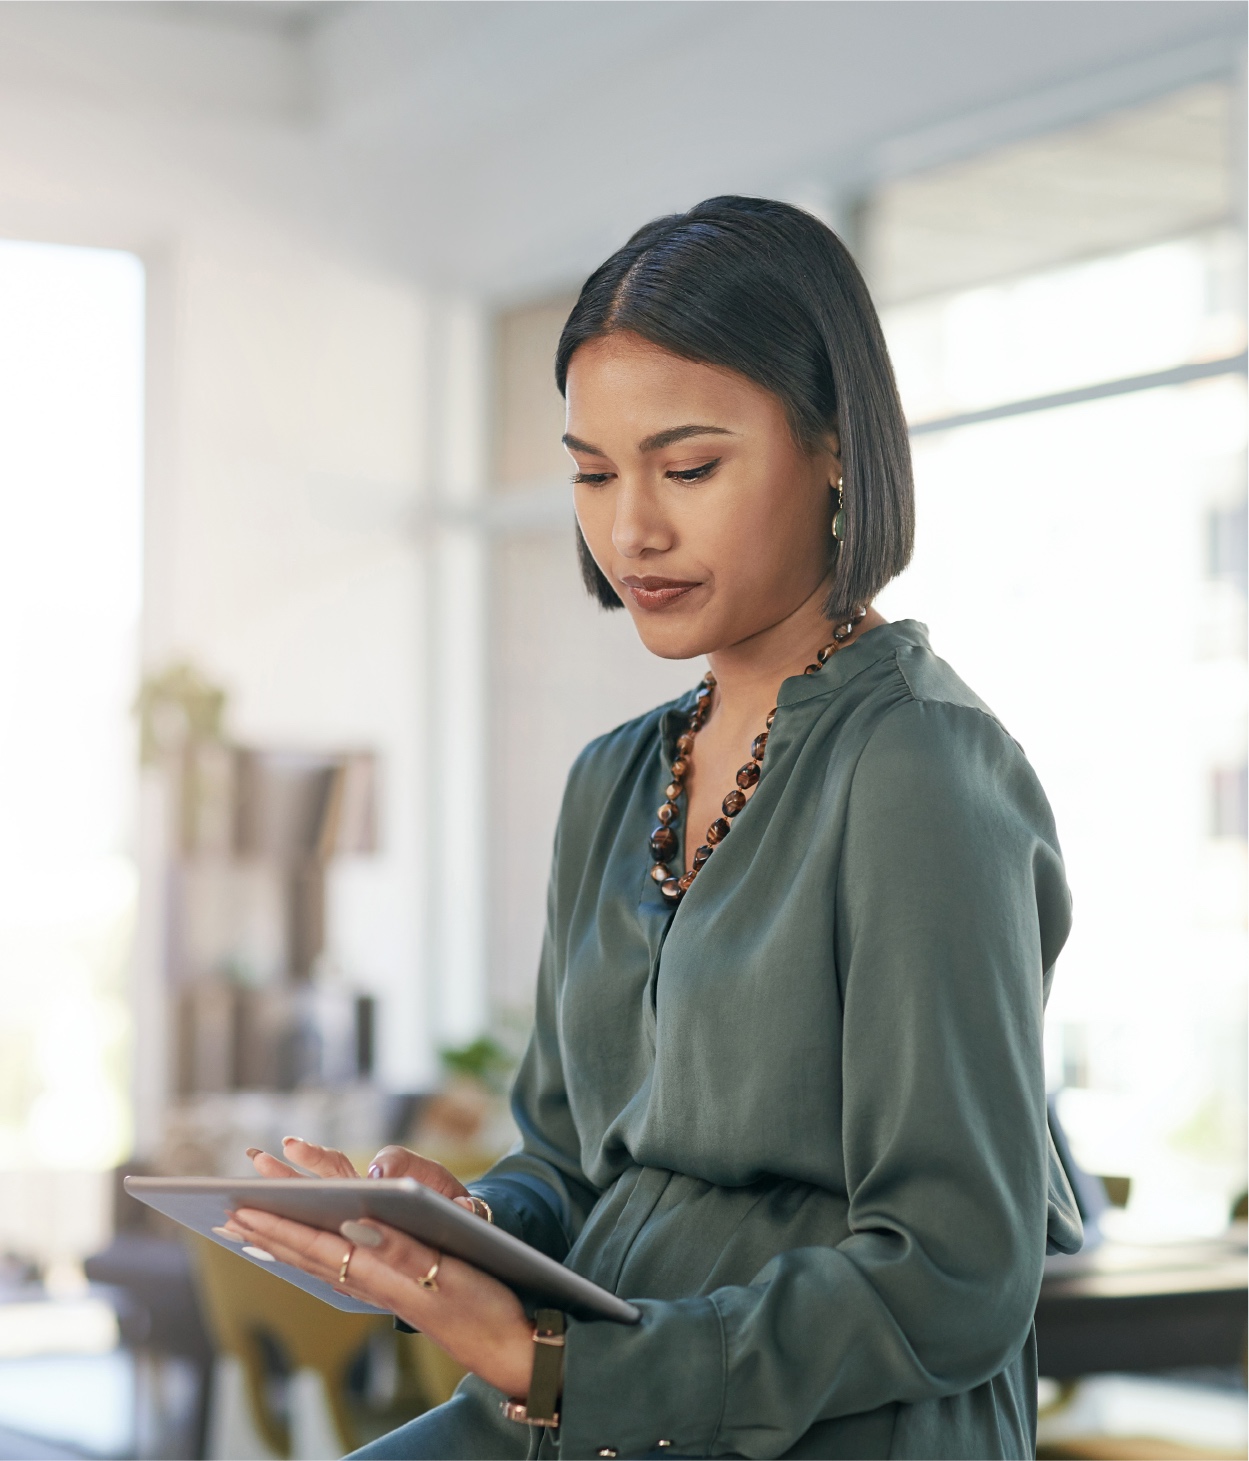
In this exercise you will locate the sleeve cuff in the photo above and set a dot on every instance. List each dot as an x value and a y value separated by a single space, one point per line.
525 1207
628 1388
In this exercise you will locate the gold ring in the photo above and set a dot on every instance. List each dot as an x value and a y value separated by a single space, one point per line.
342 1272
430 1280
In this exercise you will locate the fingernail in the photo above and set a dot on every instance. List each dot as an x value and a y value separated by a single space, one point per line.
253 1151
299 1139
226 1233
361 1233
375 1170
258 1253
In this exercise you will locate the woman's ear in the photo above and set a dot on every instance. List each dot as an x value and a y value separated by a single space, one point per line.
829 453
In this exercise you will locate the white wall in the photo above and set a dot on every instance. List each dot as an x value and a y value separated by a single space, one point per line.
281 554
287 440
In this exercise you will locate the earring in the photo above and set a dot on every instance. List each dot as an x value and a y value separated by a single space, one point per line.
839 517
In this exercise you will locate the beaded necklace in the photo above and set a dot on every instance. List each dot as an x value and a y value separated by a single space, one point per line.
663 843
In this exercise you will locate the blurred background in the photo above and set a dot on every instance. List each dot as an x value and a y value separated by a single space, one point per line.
295 655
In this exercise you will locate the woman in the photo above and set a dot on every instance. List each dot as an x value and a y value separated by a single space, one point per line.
785 1084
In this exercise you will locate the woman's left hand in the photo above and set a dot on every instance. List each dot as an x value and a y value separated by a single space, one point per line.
477 1320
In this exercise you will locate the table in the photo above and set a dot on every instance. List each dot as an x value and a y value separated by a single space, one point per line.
1128 1307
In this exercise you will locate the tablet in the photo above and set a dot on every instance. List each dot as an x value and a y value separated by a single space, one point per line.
203 1203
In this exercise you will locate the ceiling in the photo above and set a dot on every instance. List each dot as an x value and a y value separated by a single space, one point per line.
504 147
1138 174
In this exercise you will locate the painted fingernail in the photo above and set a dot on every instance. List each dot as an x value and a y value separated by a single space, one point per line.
360 1233
258 1253
375 1170
253 1151
226 1233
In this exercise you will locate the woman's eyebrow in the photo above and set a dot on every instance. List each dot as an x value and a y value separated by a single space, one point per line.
679 433
577 444
657 442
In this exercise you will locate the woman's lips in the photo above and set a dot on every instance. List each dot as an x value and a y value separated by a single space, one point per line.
656 593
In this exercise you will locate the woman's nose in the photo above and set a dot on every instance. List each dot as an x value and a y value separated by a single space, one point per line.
639 526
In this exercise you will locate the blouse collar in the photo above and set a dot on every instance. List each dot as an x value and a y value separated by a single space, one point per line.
876 645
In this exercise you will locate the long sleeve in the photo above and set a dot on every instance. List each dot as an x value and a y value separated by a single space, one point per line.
950 906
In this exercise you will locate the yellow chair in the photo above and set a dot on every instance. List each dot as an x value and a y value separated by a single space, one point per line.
251 1312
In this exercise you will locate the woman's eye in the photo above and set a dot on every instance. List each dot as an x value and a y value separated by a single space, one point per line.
592 479
695 474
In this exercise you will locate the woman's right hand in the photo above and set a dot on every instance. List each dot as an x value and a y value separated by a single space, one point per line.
391 1161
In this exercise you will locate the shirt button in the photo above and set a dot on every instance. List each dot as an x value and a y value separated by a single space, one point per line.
605 1451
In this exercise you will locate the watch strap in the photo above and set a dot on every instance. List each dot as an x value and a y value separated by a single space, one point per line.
547 1380
541 1405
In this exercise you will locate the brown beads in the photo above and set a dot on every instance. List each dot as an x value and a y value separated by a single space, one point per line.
664 838
844 631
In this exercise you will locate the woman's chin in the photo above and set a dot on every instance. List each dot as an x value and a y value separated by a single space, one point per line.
671 640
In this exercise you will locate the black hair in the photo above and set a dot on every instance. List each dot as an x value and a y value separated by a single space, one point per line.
768 291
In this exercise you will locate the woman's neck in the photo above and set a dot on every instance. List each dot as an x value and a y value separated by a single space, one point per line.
749 674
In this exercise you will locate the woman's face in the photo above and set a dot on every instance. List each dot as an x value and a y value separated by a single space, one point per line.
707 519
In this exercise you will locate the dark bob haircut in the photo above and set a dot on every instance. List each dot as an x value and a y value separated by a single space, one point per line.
766 290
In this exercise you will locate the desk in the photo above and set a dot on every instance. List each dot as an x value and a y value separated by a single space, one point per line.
1124 1307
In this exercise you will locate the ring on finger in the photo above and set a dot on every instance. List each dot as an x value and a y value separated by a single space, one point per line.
342 1272
430 1280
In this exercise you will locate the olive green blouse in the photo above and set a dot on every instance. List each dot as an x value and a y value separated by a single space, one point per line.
800 1119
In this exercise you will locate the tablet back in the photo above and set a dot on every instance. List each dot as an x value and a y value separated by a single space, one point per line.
203 1203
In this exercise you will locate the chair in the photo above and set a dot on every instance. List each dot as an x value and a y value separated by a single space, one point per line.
275 1329
149 1280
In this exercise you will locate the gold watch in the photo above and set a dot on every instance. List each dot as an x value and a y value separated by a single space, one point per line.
541 1405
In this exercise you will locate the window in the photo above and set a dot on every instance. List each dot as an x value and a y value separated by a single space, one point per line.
1079 454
